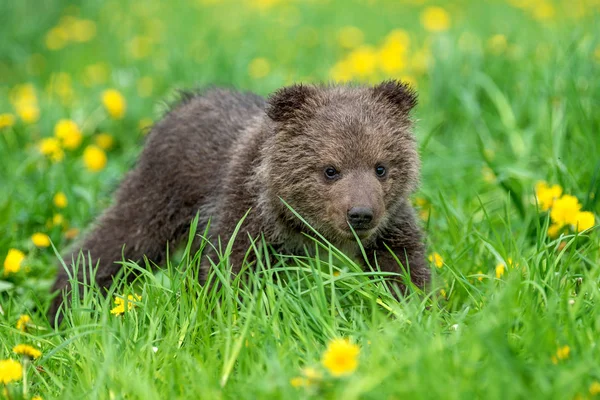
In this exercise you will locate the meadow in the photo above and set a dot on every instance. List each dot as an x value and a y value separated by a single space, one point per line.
509 134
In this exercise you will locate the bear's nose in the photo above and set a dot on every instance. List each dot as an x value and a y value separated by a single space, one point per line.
360 217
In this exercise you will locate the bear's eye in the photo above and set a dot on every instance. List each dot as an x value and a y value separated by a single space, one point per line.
380 171
331 173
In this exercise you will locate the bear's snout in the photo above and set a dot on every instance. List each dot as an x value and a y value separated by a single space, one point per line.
360 218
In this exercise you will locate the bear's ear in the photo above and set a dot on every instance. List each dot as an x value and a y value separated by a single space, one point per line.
397 93
286 102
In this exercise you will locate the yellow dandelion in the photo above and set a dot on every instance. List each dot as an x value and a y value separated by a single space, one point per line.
341 357
140 47
500 268
69 134
363 61
435 19
554 230
543 11
341 71
57 38
6 120
94 158
310 376
584 220
565 210
264 4
114 103
10 370
60 200
40 239
13 261
298 381
561 354
436 259
595 388
497 44
350 37
443 293
547 195
29 113
82 30
104 141
119 308
57 220
50 147
480 277
259 68
27 350
37 398
22 322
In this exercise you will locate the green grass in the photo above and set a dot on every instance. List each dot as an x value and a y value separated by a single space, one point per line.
496 115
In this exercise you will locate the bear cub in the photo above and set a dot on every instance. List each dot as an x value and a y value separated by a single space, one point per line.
342 156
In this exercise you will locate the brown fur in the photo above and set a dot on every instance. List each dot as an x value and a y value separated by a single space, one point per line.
223 153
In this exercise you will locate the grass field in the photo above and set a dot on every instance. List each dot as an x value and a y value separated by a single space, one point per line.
509 97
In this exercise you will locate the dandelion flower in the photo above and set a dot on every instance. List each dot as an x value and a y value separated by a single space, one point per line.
94 158
22 323
584 220
435 19
341 357
13 261
50 147
60 200
437 259
6 120
546 195
119 308
114 103
27 350
561 354
104 141
10 370
363 61
595 388
57 219
40 239
554 230
29 113
500 268
259 68
565 210
69 133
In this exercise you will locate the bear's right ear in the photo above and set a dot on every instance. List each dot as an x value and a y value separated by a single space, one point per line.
287 102
397 93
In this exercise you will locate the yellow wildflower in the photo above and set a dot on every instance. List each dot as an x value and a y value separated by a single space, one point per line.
310 377
341 71
435 19
544 11
263 4
547 195
69 134
259 68
298 381
82 30
350 37
60 200
443 293
480 277
561 354
114 103
583 220
10 370
437 259
13 261
565 210
392 55
37 398
27 350
595 388
6 120
500 268
57 219
104 141
119 309
51 148
341 357
94 158
497 44
22 322
554 230
363 61
57 38
29 113
40 239
140 47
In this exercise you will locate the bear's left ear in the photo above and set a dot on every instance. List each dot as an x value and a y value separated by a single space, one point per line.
288 102
397 93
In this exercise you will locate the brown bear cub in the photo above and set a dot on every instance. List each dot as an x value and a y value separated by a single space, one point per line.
343 157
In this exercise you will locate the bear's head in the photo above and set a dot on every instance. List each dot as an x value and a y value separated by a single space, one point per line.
342 156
